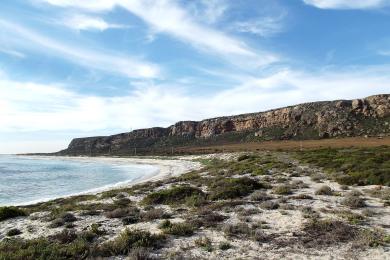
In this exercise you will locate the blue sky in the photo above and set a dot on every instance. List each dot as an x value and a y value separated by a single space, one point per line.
71 68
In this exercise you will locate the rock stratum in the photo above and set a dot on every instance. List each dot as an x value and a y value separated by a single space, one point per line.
326 119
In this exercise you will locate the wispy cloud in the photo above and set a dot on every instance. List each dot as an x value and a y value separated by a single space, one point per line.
13 53
82 22
210 11
263 26
166 16
348 4
23 37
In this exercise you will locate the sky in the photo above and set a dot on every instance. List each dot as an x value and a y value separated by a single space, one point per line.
75 68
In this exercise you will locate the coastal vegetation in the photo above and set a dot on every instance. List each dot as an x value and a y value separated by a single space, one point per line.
230 203
11 212
363 166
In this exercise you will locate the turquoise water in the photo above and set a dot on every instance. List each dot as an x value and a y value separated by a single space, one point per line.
30 179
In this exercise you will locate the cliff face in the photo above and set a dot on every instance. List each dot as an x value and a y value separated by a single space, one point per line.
368 116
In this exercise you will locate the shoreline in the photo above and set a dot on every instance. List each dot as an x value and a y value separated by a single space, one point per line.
165 168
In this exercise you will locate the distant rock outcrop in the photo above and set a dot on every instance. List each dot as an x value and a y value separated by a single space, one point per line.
341 118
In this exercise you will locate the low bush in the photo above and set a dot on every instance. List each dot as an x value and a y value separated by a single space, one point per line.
243 157
354 202
13 232
302 197
122 202
362 166
129 240
310 213
260 236
207 218
270 205
260 196
140 253
58 222
282 190
224 246
65 237
324 190
175 195
230 188
68 217
123 212
237 230
11 212
43 248
204 243
95 228
328 232
153 214
178 229
132 219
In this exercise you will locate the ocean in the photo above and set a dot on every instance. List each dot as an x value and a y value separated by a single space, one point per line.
28 179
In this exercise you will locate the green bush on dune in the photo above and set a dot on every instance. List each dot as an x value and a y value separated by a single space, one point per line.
230 188
174 195
10 212
363 166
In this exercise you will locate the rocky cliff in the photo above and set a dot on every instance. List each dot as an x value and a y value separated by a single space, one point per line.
341 118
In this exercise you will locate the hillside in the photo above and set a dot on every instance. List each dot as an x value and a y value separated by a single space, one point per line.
318 120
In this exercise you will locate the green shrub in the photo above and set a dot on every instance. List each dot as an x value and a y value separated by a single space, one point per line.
225 246
129 240
68 217
95 228
58 222
324 190
204 243
260 196
140 254
10 212
237 230
354 202
177 229
153 214
13 232
328 232
43 248
243 157
282 190
175 195
230 188
270 205
123 212
362 166
206 218
122 202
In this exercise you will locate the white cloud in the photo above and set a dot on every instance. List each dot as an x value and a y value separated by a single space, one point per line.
13 53
166 16
27 107
82 22
21 37
348 4
264 26
95 5
210 11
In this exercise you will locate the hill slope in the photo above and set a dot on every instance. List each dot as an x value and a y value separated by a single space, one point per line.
341 118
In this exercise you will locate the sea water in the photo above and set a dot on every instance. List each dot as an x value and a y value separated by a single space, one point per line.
31 179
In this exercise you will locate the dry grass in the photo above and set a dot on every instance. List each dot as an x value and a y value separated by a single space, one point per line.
288 145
